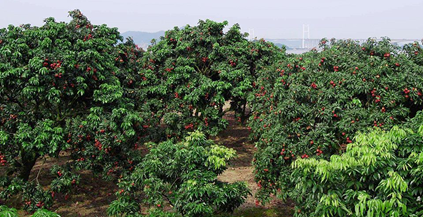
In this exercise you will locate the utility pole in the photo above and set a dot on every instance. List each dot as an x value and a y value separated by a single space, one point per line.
306 30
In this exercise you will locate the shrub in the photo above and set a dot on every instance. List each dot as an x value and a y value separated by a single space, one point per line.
313 104
183 175
8 212
12 212
45 213
380 174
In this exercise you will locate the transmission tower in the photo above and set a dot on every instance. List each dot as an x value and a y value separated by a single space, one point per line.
306 30
251 34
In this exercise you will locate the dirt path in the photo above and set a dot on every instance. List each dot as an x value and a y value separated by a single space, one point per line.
236 137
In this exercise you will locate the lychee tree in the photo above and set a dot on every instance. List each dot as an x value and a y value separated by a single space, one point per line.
67 87
415 52
311 105
192 71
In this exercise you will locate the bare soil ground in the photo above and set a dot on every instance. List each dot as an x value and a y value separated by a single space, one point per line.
236 137
94 194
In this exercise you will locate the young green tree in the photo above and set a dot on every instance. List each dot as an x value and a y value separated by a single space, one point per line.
184 176
379 175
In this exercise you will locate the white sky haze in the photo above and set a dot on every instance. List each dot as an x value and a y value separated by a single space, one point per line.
269 18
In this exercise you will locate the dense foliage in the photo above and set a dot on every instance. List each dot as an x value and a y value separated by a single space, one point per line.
380 174
191 72
184 176
12 212
78 92
65 87
312 105
6 211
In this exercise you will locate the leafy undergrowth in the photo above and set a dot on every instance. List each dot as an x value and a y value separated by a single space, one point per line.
261 212
94 195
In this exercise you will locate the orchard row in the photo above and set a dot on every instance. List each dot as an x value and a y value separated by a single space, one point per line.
77 89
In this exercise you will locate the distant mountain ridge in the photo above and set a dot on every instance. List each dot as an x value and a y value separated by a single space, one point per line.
143 39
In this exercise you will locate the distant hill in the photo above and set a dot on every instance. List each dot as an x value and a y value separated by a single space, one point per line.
143 39
289 43
280 45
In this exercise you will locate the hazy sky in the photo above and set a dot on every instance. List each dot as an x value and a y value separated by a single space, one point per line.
268 18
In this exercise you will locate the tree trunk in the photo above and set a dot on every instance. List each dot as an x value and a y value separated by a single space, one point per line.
28 162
